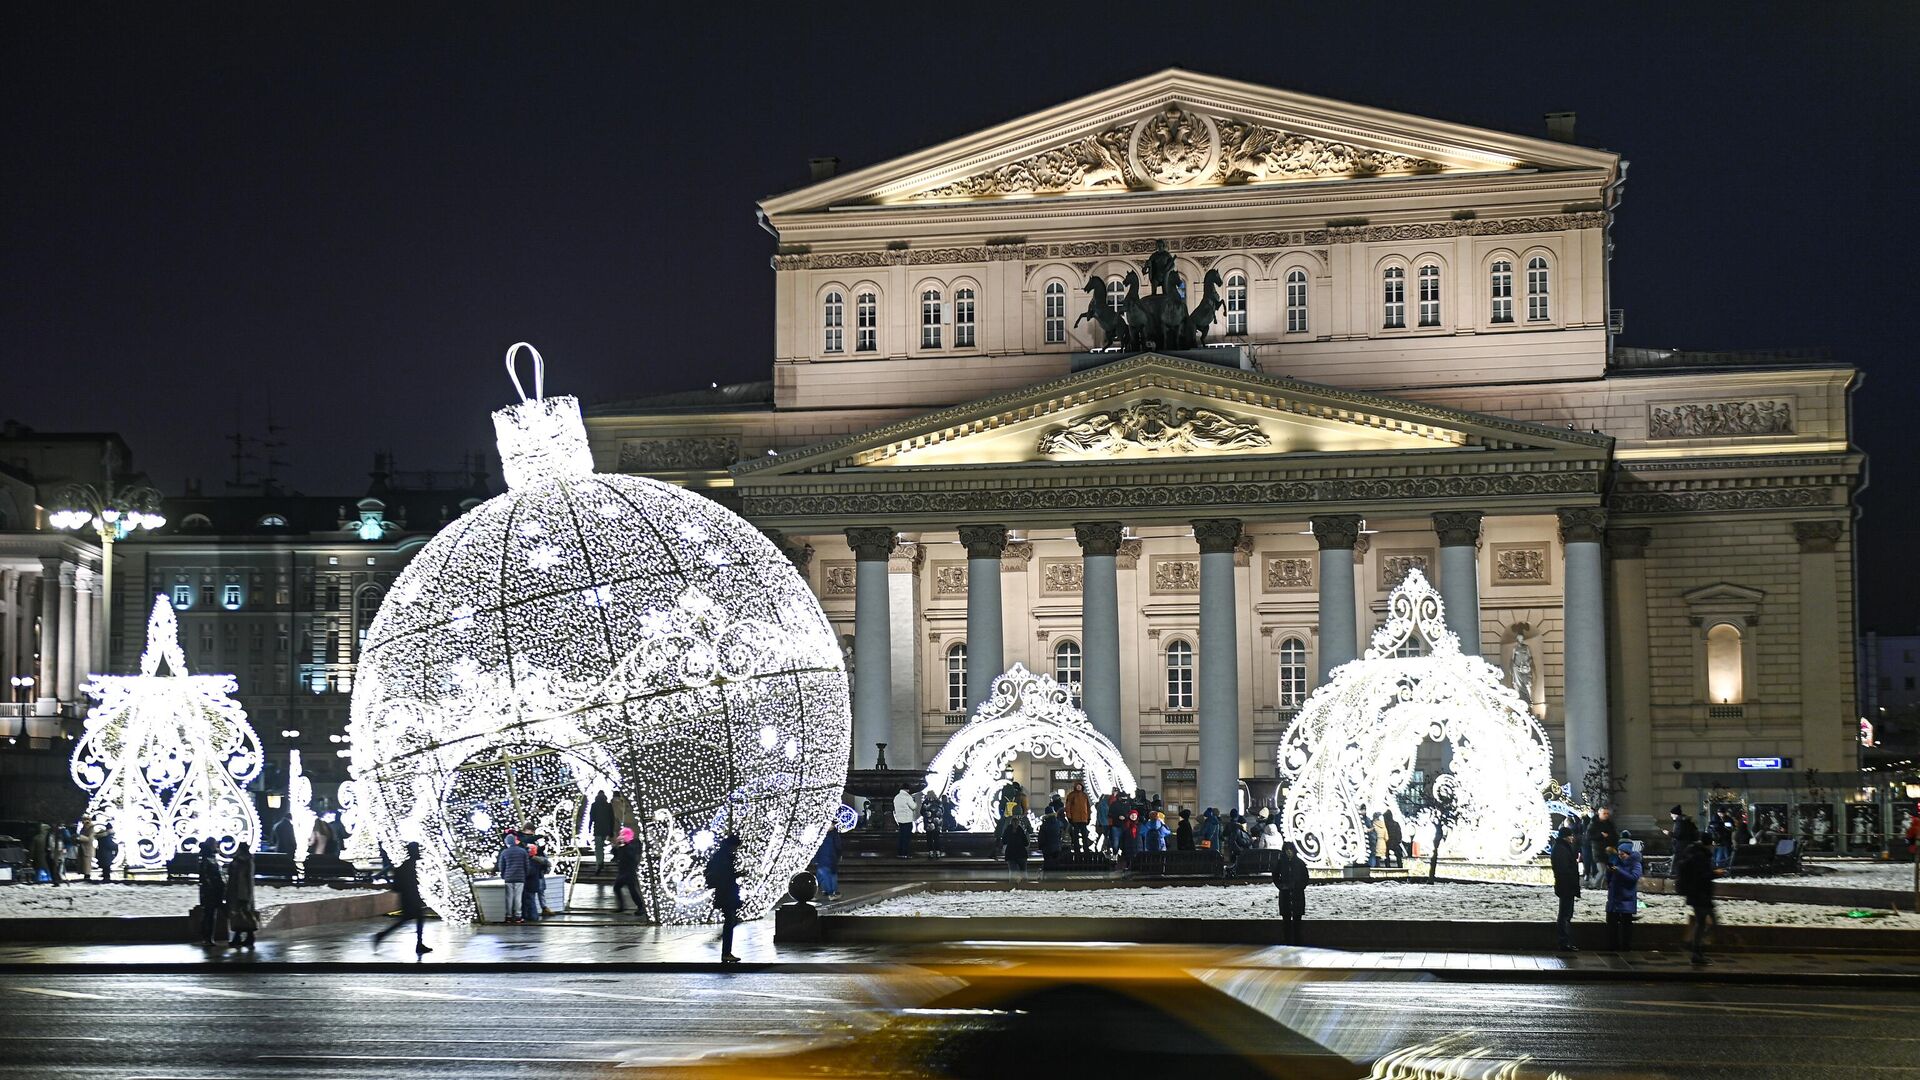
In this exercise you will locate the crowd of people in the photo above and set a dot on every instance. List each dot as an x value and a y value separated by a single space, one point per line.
55 852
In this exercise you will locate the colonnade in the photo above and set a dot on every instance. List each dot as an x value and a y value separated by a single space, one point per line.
48 629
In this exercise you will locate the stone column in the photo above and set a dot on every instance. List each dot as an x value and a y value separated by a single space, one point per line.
46 688
1827 741
1632 667
1339 636
1581 529
872 647
986 655
86 587
1459 533
9 631
903 575
68 653
1219 659
1100 624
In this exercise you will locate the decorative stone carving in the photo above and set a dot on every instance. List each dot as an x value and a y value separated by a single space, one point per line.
906 558
1257 153
1395 565
1457 528
983 541
1017 555
1217 535
871 543
1289 573
950 579
1335 531
1656 502
1061 577
1243 551
1095 163
1817 536
679 452
1520 564
1128 557
1174 574
1155 427
837 578
1099 537
1174 147
1582 524
1704 419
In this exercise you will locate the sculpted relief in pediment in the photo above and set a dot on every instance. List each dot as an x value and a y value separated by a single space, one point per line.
1153 427
1179 146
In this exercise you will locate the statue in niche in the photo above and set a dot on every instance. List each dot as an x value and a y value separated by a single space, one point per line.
1521 667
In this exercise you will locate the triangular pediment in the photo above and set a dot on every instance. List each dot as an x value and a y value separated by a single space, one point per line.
1158 408
1178 130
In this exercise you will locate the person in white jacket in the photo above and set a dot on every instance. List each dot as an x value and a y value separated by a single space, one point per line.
905 809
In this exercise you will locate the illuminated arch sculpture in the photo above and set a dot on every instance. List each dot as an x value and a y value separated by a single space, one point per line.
1352 746
1026 713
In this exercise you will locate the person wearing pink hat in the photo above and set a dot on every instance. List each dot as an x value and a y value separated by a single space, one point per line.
626 872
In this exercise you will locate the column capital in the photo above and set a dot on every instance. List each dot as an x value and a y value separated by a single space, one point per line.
871 543
1217 535
906 558
1582 524
1629 543
1457 528
83 579
1336 531
984 541
1099 537
1817 536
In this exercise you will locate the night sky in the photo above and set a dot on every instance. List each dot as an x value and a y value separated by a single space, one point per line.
346 214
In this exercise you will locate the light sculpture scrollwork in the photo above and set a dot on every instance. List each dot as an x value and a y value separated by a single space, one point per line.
1353 745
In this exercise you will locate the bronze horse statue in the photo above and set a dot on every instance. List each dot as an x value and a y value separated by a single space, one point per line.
1156 322
1100 309
1202 317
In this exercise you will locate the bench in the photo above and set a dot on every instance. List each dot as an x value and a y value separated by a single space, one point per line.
1254 862
1177 864
1779 857
1068 859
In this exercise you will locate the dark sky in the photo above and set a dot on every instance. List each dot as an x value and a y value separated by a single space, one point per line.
345 214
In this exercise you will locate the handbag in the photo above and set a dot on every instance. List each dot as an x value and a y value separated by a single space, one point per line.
243 919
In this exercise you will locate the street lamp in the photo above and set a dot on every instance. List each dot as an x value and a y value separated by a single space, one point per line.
22 687
113 513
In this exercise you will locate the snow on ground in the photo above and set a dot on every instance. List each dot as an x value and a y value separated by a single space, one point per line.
83 901
1846 875
1402 901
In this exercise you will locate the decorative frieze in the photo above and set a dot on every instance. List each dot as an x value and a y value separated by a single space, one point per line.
837 578
1061 577
1520 564
1289 573
1173 574
949 579
678 453
1722 499
1395 565
1708 419
1153 427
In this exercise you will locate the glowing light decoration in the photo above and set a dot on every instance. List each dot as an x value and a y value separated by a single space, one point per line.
1027 713
584 632
166 758
1353 744
300 807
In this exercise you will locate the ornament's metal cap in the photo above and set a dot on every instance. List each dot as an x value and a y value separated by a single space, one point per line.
542 439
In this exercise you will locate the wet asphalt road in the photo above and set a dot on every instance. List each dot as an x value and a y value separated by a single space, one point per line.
507 1024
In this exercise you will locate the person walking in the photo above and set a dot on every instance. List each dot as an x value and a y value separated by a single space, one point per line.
1623 894
1396 849
85 842
723 877
1684 831
626 873
1103 823
533 897
1290 880
1079 813
213 891
826 864
1723 839
512 864
1603 836
600 819
1566 885
406 881
243 920
106 850
1693 874
905 809
1014 845
1053 831
933 812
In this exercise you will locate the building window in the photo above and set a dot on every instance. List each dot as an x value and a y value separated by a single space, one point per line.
1430 295
963 319
1296 301
832 318
1056 312
1500 289
333 598
333 646
1179 675
1116 295
230 597
1066 668
1393 297
1236 304
957 677
1538 310
866 323
1724 663
369 606
1293 673
182 597
930 319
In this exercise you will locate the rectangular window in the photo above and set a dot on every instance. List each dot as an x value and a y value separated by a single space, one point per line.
831 317
1056 313
1393 299
1538 309
333 598
1180 676
182 597
1296 302
1429 295
1500 287
230 597
930 320
1237 305
866 322
963 319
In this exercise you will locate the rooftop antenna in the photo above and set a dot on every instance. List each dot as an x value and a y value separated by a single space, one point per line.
274 445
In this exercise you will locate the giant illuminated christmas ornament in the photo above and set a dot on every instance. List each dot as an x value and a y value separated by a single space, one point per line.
585 632
1029 714
1351 749
166 758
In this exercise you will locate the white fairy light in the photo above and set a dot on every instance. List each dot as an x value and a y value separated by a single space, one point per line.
166 758
300 806
1352 746
1027 713
585 632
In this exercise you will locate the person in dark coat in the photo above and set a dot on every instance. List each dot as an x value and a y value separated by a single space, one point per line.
406 881
826 864
1290 880
1014 843
105 850
600 818
213 890
1396 853
512 864
626 873
1684 831
1566 885
723 877
1183 832
1723 839
1693 874
1623 895
533 898
933 818
242 918
1206 835
1604 836
1053 833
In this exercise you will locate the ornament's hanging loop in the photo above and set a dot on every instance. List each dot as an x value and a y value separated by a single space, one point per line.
539 371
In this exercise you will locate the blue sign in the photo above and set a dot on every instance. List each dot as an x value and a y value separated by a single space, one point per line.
1748 763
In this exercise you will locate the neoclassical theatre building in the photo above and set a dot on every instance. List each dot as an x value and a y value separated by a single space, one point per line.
1162 390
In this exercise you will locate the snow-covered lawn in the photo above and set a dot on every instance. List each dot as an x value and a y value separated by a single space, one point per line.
82 901
1847 875
1445 901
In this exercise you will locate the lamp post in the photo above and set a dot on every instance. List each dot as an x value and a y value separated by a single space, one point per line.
113 513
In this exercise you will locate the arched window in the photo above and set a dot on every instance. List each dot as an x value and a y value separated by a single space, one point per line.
196 522
1116 294
832 323
1430 295
930 319
272 521
866 322
1066 667
957 677
963 319
1500 291
1056 313
1179 675
1393 298
366 606
1236 303
1293 673
1724 665
1296 301
1538 309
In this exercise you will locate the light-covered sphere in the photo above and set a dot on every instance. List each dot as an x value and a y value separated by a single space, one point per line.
589 633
